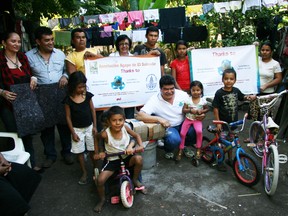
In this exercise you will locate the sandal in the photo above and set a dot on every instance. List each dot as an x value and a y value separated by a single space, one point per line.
179 155
141 188
82 181
188 152
198 154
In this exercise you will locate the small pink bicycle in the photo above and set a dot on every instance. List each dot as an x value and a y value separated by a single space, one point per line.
125 183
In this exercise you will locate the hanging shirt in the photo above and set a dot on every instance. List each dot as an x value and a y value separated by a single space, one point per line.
152 14
194 10
221 7
136 17
251 4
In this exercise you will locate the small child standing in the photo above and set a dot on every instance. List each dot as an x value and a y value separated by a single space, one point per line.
225 104
180 67
81 119
197 106
117 139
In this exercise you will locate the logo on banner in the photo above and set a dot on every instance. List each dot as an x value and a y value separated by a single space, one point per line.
151 81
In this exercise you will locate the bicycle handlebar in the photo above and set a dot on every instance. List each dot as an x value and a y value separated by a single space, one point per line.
229 125
122 153
275 97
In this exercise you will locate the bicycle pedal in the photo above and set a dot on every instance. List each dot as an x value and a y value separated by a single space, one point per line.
251 145
283 158
115 200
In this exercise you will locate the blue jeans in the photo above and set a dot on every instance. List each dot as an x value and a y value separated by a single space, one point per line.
48 140
172 138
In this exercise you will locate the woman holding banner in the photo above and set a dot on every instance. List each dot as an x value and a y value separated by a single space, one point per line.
123 45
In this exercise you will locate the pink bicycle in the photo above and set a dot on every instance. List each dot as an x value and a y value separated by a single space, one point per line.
265 144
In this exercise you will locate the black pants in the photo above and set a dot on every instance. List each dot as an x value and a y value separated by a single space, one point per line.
16 190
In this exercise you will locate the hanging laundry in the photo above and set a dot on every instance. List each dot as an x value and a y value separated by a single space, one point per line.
251 4
269 3
207 7
235 5
172 17
221 7
195 33
92 19
172 35
120 16
52 23
136 17
107 18
107 32
76 21
64 22
194 10
139 36
152 14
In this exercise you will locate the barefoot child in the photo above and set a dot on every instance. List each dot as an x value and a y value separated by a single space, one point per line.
81 119
117 139
197 106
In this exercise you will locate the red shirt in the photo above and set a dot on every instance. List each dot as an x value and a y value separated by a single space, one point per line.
182 72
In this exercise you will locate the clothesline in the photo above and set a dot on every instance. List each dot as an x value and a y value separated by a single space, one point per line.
139 17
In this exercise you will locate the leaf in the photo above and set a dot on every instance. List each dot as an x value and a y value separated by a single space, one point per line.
159 4
144 4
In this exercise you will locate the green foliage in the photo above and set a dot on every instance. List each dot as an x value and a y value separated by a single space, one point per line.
144 4
159 4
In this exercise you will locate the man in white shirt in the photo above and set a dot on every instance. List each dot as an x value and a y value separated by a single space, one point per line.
165 108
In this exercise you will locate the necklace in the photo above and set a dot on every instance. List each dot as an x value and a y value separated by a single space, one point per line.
14 63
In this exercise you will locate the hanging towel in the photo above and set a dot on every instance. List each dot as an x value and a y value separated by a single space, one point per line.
136 17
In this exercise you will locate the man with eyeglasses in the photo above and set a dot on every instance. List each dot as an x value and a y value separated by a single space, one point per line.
165 108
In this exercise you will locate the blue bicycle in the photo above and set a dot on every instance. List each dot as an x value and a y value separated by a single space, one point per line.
245 167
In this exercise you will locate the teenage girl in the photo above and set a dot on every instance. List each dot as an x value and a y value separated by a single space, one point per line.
180 67
81 119
117 139
196 106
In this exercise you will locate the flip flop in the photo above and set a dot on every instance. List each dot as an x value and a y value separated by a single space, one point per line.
141 189
188 152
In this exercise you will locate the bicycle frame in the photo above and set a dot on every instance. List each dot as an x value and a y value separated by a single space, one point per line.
228 144
267 107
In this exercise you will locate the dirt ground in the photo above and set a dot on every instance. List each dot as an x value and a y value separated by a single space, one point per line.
174 189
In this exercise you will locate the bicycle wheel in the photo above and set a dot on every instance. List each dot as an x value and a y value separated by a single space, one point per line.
207 153
271 171
251 171
257 136
126 193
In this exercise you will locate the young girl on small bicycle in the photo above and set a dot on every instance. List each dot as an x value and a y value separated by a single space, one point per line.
196 106
117 139
81 119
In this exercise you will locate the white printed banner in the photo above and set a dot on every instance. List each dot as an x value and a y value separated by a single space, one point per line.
122 81
207 66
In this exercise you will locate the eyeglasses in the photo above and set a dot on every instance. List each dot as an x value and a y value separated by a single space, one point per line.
123 44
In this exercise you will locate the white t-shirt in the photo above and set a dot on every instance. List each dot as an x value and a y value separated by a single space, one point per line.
118 54
267 71
157 106
197 106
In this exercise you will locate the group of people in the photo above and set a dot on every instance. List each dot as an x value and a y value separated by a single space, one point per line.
171 107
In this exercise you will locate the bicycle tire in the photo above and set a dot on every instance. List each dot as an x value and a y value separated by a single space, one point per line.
126 194
252 170
207 153
271 171
257 136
